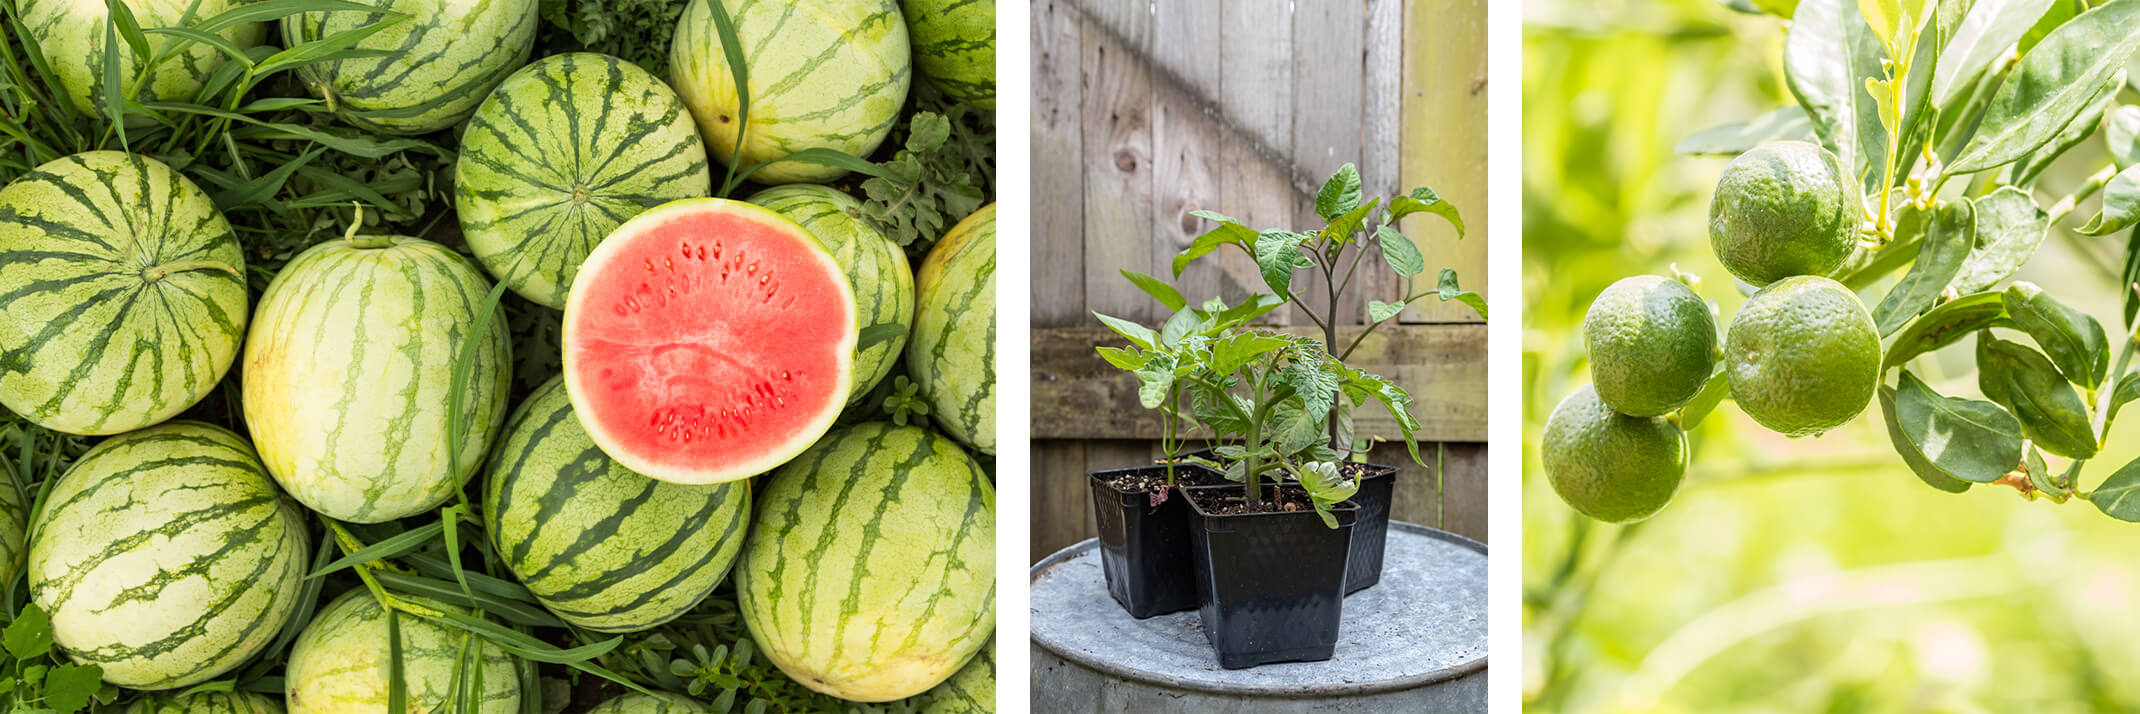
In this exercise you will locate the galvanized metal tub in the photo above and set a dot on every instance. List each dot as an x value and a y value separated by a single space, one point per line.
1414 643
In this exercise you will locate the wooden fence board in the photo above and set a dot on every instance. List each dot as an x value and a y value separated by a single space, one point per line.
1058 230
1445 75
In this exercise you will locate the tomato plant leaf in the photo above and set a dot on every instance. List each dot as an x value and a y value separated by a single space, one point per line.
1399 251
1159 290
1340 194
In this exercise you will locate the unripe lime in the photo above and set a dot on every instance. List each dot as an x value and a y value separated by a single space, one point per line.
1652 345
1802 356
1610 466
1785 208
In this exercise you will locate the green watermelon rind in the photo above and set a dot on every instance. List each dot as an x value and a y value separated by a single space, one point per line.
166 556
564 151
103 330
952 354
602 547
656 703
209 702
955 47
846 535
972 690
826 74
349 367
70 36
876 269
443 61
340 662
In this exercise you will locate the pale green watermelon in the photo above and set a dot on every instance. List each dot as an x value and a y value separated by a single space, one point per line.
955 47
824 74
341 661
122 294
232 702
876 268
442 61
70 35
14 528
971 691
563 152
952 355
656 703
870 574
603 547
348 370
166 556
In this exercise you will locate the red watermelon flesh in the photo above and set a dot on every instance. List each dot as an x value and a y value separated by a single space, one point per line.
708 340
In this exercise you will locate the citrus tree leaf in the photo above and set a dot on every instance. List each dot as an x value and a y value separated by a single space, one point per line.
2073 340
2121 204
1949 235
2121 133
2052 85
1944 324
1986 33
2032 166
1817 68
2010 226
1911 456
1967 439
2119 495
2024 381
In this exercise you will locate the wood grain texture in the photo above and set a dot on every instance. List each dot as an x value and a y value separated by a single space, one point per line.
1058 296
1445 97
1117 152
1076 395
1329 60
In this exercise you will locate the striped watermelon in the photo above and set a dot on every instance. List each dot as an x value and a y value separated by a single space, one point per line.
870 574
232 702
348 369
972 690
70 35
443 60
826 74
955 47
122 294
952 355
341 661
876 268
656 703
562 153
166 556
601 546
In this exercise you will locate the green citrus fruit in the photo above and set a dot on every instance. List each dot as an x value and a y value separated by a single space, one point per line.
1652 345
1610 466
1802 356
1785 208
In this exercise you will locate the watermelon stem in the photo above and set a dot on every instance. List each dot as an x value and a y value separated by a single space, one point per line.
156 273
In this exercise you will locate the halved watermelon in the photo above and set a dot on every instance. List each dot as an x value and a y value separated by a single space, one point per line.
708 340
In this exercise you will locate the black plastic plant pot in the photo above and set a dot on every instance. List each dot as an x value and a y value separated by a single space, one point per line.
1144 549
1272 585
1370 534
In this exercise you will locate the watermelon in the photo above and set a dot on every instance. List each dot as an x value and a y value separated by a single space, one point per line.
232 702
952 356
870 574
955 47
604 548
122 294
341 662
166 556
708 340
441 62
876 269
971 691
348 369
656 703
829 74
562 153
70 35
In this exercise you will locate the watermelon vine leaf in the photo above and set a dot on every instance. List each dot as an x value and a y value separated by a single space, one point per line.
924 189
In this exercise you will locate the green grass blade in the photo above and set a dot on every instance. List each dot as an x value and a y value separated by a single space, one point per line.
397 689
401 543
446 591
732 49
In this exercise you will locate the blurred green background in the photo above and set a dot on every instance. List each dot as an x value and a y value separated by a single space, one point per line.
1788 575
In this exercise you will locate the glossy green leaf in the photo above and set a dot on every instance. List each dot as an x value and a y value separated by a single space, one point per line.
2121 204
2029 168
2052 85
1911 456
2073 340
1949 235
1781 124
2024 381
2010 226
1970 440
2121 134
1816 66
1944 324
2119 495
1987 33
